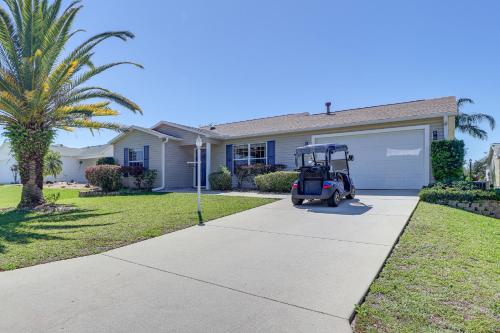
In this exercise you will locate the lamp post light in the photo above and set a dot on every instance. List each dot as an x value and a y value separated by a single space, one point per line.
199 144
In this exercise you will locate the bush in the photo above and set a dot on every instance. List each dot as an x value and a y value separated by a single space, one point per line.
438 195
249 172
149 179
106 161
221 180
135 171
107 177
448 160
459 185
280 181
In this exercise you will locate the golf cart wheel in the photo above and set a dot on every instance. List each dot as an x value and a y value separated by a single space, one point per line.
297 202
352 194
334 200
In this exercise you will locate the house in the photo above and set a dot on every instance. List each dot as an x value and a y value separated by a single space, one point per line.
391 143
75 161
493 166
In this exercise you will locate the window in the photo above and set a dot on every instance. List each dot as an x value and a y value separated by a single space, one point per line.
136 157
248 154
434 135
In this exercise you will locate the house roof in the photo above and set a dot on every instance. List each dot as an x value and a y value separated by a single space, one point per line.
80 153
145 130
494 151
297 122
84 152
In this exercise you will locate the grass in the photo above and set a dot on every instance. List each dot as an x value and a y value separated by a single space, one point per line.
99 224
444 275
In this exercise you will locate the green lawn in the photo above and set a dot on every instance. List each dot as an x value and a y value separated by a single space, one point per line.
444 275
100 224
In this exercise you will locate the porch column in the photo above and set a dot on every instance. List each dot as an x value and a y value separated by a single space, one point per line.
446 129
208 163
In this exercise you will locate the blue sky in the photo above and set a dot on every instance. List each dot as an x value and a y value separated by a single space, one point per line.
218 61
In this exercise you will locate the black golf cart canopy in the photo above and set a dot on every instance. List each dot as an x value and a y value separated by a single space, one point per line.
321 148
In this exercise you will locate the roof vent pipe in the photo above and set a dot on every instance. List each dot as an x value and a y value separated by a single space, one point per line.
328 105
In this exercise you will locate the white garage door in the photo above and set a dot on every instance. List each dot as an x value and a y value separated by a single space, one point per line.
385 160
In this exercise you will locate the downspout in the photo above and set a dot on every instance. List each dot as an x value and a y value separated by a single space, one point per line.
162 187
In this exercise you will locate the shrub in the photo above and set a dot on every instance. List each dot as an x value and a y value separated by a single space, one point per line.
280 181
107 177
135 171
438 195
106 161
149 179
448 160
221 180
459 185
52 198
249 172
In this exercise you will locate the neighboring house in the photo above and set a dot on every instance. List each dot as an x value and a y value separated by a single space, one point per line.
75 160
391 143
493 166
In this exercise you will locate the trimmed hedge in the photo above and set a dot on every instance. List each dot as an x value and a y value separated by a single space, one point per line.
106 161
439 194
448 160
107 177
221 180
280 181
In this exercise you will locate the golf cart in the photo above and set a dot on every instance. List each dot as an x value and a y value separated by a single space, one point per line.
324 174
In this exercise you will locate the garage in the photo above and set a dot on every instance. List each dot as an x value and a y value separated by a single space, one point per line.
394 158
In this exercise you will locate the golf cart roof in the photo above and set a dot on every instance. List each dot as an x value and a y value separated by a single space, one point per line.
321 148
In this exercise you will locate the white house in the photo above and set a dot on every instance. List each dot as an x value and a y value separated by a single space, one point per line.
75 161
493 166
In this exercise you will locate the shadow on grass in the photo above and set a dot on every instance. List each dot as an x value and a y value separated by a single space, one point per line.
128 194
19 227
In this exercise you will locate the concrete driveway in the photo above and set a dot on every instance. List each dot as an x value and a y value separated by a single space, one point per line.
273 268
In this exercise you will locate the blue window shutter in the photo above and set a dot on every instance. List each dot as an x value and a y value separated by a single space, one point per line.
271 152
125 160
146 157
229 157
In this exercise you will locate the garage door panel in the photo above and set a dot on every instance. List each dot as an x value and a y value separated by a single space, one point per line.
389 160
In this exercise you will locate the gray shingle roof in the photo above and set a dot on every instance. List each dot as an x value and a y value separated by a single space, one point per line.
304 121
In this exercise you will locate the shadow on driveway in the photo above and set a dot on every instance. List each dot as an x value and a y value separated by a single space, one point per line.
346 207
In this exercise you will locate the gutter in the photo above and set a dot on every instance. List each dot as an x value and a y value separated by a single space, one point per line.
162 187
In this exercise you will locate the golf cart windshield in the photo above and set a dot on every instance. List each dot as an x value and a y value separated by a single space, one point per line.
310 159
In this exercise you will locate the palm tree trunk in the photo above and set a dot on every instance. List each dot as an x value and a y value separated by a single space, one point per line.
32 180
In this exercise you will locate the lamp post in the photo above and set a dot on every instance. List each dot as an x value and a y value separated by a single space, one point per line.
199 144
470 168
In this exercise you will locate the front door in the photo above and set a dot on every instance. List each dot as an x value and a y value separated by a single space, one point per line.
203 168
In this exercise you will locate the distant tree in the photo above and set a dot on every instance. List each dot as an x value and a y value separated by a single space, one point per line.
468 123
479 168
52 164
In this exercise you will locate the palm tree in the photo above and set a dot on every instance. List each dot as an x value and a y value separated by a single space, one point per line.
52 164
469 123
42 86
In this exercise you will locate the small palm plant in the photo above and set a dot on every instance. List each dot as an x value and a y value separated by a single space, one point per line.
52 164
468 123
42 87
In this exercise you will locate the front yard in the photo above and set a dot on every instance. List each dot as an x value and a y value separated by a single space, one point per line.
444 275
99 224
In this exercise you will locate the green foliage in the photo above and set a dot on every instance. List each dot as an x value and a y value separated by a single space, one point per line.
52 164
43 83
249 172
107 177
447 160
106 161
149 179
469 123
52 198
439 195
280 181
221 180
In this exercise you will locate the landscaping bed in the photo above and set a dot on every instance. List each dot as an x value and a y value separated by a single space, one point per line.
442 276
99 224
